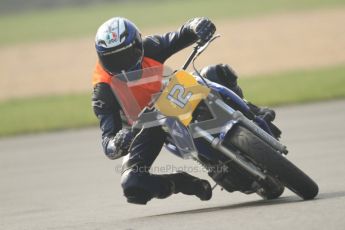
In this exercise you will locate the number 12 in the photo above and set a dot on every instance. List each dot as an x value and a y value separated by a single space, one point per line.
181 100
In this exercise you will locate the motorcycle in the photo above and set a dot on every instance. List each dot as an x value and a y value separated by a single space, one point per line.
210 124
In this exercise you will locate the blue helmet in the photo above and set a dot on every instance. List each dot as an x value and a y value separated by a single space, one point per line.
119 46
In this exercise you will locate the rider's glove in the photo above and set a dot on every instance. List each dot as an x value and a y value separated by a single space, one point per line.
119 145
203 28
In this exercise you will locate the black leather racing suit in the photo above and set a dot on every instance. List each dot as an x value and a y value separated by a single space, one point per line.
148 143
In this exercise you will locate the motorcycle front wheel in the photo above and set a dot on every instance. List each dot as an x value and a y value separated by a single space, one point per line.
268 159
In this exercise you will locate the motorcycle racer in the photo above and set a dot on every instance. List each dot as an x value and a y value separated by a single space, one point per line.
121 47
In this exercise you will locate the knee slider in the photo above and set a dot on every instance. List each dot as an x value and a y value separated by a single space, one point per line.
133 188
141 187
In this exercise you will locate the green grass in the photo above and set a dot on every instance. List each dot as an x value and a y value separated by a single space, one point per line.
83 21
73 111
295 87
45 113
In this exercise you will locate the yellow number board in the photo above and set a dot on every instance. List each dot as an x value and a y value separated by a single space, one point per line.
181 97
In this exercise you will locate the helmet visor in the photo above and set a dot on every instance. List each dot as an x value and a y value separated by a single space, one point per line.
124 59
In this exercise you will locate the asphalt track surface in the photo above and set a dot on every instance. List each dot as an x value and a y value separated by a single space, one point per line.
63 181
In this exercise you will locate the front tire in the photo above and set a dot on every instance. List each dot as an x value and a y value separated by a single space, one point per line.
266 158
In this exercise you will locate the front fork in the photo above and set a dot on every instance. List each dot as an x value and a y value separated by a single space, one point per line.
217 144
204 130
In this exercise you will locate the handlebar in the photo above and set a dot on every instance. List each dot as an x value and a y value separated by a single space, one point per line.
198 49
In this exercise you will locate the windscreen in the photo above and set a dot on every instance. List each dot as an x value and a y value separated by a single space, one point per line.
135 90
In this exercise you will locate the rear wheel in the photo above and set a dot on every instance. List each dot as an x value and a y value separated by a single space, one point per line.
265 157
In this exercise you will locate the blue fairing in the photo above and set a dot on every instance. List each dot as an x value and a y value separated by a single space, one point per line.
203 148
227 93
173 149
243 107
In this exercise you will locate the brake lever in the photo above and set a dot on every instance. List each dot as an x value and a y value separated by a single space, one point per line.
198 49
201 47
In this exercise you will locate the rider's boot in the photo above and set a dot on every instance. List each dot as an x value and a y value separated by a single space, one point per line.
187 184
